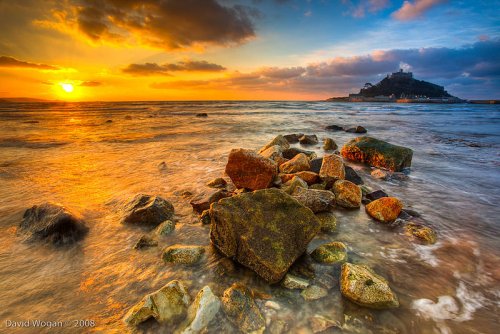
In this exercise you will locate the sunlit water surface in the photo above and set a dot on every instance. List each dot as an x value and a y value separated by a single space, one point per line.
68 153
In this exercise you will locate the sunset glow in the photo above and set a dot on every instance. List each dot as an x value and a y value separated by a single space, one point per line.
67 87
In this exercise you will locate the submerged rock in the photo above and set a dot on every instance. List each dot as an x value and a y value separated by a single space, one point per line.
277 141
294 282
201 312
314 292
249 170
380 174
298 163
347 194
316 200
201 114
145 242
334 127
329 144
293 138
308 140
217 183
332 168
148 210
377 153
169 304
385 209
203 202
351 175
52 223
357 129
266 231
421 233
377 194
361 285
330 253
183 254
328 222
165 228
319 323
241 310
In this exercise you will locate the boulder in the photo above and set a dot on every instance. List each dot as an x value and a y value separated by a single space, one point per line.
266 230
201 312
183 254
314 292
310 177
201 114
294 282
316 200
332 168
299 163
308 140
277 141
52 223
274 153
202 202
165 228
249 170
316 165
290 186
328 222
318 186
241 310
420 232
385 209
293 151
377 153
145 242
334 127
330 253
380 174
347 194
361 285
217 183
167 305
148 210
293 138
351 175
374 195
357 129
329 144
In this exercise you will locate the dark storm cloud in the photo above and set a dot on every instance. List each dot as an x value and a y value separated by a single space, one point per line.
6 61
188 65
168 24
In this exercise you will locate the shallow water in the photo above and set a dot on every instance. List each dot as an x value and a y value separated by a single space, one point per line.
68 153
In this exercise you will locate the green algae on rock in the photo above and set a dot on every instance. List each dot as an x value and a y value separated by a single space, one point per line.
314 292
328 222
165 228
361 285
266 230
183 254
330 253
241 310
294 282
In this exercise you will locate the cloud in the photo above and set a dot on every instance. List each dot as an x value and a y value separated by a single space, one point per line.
412 10
187 65
165 24
91 83
6 61
360 8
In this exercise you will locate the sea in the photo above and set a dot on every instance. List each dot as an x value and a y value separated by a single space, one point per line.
94 157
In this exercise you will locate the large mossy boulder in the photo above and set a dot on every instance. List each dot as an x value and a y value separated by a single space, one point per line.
250 170
146 210
361 285
377 153
169 304
241 310
266 230
52 223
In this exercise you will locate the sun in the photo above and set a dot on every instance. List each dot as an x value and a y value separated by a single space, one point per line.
67 87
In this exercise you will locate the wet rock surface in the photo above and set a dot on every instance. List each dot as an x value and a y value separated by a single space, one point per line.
183 254
298 163
316 200
201 312
347 194
351 175
146 210
202 202
332 168
249 170
308 140
330 253
328 222
239 305
385 209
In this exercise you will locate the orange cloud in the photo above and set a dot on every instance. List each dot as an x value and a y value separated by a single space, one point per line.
187 65
412 10
6 61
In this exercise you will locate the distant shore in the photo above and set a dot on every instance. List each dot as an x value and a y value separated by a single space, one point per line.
405 100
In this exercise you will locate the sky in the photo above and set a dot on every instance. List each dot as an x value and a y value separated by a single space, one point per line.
115 50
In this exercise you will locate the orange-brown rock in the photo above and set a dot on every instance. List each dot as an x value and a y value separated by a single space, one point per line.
332 168
299 163
309 177
385 209
347 194
248 169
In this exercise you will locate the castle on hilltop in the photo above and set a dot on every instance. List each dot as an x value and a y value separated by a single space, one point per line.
400 75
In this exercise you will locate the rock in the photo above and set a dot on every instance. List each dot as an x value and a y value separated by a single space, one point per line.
347 194
351 175
205 217
361 285
217 183
412 212
421 233
404 216
241 310
328 222
293 282
109 121
318 186
357 129
299 163
332 168
52 223
266 230
329 144
308 140
330 253
293 138
399 176
319 323
334 128
316 200
169 304
145 242
314 292
377 153
374 195
327 281
385 209
183 254
277 141
293 151
274 153
202 114
202 202
279 326
290 186
165 228
380 174
148 210
201 312
316 165
250 170
272 305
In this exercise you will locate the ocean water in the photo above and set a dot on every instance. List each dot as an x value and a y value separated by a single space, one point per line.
68 153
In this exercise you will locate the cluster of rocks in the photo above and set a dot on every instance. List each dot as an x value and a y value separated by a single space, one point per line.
355 129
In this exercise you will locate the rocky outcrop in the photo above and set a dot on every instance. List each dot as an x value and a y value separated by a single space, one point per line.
361 285
330 253
146 210
299 163
183 254
377 153
201 312
332 168
385 209
169 304
249 170
202 202
266 230
241 310
347 194
316 200
52 223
